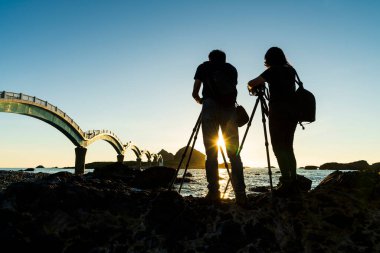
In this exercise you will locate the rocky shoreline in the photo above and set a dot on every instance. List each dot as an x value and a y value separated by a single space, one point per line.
118 209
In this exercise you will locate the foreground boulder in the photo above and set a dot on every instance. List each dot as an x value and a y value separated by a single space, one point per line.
117 171
149 178
303 184
154 177
68 213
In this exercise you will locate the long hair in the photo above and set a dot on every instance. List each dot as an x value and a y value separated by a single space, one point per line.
275 57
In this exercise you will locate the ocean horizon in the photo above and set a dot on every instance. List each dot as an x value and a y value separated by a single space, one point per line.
197 187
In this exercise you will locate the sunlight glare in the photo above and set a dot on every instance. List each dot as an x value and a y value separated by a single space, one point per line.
221 141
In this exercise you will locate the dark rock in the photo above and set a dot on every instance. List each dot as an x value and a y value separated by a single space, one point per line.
231 233
375 167
60 176
358 165
40 167
165 208
166 156
197 158
339 219
361 238
259 189
154 177
29 169
184 180
64 212
351 179
311 167
303 183
116 171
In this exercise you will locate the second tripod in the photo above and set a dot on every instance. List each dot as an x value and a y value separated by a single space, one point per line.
261 96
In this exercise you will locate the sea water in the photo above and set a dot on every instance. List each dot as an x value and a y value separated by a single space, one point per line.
253 177
197 187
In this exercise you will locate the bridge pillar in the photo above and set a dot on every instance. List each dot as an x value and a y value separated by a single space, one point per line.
138 160
120 158
80 160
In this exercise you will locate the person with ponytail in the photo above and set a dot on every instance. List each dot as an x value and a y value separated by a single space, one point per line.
280 77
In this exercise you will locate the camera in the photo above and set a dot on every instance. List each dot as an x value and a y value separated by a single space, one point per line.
256 90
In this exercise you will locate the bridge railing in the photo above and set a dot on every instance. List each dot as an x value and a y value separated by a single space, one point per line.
43 103
91 133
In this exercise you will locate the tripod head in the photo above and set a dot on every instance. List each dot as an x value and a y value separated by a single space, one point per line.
257 91
262 94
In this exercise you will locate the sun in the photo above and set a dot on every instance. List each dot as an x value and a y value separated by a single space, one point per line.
221 142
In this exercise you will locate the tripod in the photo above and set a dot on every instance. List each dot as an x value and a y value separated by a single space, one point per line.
193 138
194 135
261 95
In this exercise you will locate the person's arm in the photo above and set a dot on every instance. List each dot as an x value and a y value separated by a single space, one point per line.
196 88
258 81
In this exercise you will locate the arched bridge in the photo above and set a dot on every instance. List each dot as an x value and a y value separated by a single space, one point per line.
19 103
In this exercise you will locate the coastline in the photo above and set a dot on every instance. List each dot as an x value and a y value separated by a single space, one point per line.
105 211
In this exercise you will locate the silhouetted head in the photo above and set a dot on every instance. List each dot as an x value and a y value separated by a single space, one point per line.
275 57
217 56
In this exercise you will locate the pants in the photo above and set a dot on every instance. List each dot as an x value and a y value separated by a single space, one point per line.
213 117
282 126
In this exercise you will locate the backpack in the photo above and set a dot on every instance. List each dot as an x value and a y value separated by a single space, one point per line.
305 104
223 86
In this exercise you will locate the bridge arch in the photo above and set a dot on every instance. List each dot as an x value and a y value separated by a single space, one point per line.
34 107
31 106
92 136
158 159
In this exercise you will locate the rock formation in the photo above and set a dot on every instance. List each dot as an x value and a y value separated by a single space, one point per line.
358 165
197 158
375 167
166 156
102 212
311 167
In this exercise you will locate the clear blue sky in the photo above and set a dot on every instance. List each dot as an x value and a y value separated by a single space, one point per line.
128 66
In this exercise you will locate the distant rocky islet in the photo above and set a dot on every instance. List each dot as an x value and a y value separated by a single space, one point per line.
198 161
361 165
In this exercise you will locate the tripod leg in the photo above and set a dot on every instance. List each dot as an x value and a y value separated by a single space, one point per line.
263 110
228 170
184 153
225 189
190 154
248 126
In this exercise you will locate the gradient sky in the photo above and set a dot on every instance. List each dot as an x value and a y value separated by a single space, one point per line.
128 66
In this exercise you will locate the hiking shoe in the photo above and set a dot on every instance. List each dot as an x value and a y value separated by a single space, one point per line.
286 190
213 197
241 199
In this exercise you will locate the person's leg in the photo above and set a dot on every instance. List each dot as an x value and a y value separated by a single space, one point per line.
210 128
282 135
231 139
